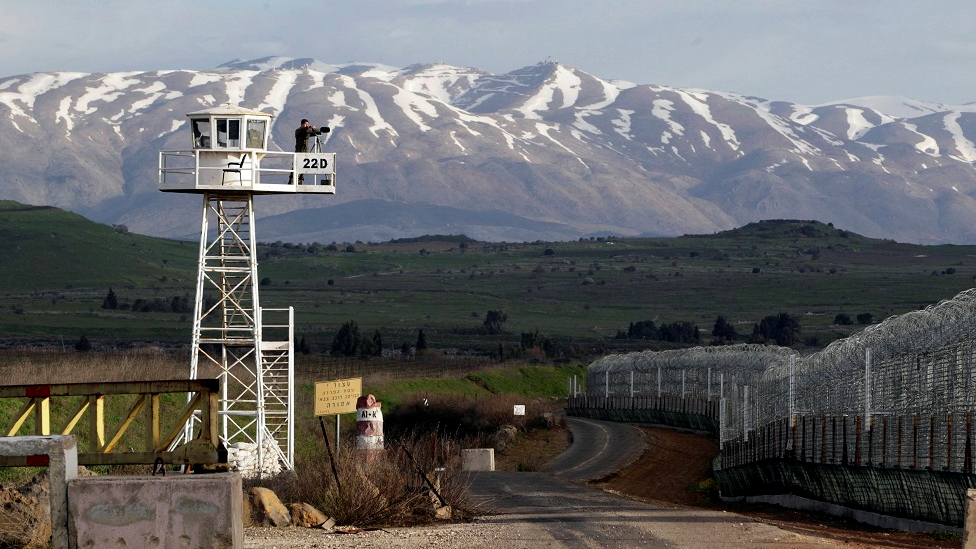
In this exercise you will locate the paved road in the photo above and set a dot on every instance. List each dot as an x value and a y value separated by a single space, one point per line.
599 448
547 510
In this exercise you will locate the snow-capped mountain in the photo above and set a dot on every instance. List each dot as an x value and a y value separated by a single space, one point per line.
543 152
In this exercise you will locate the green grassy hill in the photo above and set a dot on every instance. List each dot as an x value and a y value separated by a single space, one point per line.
47 248
56 268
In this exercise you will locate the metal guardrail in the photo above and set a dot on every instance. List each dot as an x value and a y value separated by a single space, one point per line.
181 170
103 445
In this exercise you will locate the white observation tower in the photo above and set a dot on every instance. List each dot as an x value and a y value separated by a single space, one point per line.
229 164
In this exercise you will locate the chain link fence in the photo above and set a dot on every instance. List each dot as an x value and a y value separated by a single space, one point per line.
898 394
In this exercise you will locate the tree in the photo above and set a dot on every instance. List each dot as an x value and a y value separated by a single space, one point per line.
111 301
83 345
783 328
303 347
865 318
421 341
843 319
346 342
180 305
680 332
494 321
723 329
643 329
377 344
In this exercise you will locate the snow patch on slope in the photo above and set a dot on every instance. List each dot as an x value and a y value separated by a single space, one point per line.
414 106
370 109
698 101
21 101
965 147
928 145
563 80
278 94
236 85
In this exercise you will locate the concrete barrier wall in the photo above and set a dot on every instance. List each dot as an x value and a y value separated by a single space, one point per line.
478 459
175 511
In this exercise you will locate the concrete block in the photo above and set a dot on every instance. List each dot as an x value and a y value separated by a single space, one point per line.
61 452
478 459
969 526
175 511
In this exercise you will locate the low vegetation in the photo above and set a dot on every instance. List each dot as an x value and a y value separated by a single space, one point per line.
64 277
428 420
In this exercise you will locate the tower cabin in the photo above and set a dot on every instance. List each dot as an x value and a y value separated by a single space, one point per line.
229 153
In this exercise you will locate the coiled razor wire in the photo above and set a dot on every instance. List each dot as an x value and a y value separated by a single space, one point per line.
920 364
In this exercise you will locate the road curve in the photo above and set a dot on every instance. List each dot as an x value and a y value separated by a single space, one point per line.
599 448
549 509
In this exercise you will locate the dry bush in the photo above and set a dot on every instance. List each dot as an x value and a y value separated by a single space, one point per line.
382 490
24 521
41 368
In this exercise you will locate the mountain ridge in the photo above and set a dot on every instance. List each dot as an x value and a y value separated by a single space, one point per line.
547 143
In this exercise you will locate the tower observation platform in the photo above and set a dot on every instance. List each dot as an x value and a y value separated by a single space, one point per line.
230 154
252 356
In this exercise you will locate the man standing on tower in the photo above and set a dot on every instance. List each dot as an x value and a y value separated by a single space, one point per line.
302 134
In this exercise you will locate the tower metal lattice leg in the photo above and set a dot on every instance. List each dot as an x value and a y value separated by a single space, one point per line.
228 333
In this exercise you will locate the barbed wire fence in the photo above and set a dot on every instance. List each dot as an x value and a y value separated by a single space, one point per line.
898 394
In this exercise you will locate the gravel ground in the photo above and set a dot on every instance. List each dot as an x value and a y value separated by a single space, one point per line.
533 510
461 536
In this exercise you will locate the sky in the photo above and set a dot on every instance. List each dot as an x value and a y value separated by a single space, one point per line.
802 51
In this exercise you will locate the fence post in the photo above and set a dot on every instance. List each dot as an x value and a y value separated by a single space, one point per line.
898 454
949 442
721 424
844 455
823 439
867 385
914 441
745 412
968 464
708 392
659 382
803 437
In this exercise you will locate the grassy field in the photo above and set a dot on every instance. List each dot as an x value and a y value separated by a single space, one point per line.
56 268
439 383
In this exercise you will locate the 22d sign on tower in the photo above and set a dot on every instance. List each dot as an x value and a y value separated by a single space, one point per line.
247 347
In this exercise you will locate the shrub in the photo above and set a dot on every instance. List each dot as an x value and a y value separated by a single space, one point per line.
384 490
494 320
349 342
83 345
783 328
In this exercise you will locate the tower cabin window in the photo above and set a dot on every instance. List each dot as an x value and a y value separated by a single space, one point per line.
201 133
255 134
228 133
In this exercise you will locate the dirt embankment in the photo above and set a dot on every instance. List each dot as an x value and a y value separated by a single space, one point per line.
675 470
